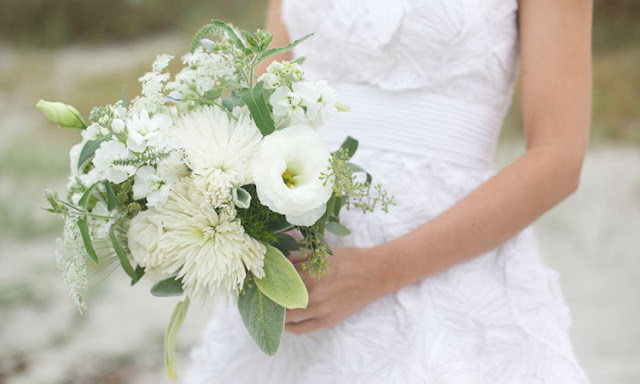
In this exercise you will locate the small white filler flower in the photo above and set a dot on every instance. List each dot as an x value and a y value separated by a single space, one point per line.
287 172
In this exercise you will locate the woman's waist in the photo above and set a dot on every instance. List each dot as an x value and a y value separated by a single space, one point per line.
416 122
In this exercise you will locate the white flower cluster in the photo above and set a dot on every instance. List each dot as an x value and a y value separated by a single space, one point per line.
296 101
153 83
203 70
282 73
70 259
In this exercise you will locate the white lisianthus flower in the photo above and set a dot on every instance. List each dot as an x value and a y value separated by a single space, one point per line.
152 184
318 98
287 171
105 161
205 246
144 131
219 149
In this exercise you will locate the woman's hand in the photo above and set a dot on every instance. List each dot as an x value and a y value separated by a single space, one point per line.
351 282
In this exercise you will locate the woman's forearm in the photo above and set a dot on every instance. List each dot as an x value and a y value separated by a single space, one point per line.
274 25
487 217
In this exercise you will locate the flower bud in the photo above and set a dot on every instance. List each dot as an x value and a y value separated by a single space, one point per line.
207 44
62 115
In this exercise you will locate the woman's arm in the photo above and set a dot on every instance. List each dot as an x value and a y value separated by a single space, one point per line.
274 25
555 39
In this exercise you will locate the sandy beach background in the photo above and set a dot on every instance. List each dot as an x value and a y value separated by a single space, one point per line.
592 239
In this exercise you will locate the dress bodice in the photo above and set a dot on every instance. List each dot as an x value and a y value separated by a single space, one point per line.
465 49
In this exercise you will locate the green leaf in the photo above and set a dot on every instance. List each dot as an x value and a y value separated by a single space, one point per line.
276 51
232 101
112 200
167 287
241 198
358 169
280 225
232 35
250 39
286 243
338 206
123 97
281 282
88 150
212 95
139 273
83 226
338 229
255 100
299 60
263 318
84 200
171 336
350 146
122 255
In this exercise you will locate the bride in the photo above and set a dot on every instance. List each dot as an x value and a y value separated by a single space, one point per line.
449 286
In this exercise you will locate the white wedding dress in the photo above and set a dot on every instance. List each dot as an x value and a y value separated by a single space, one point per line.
428 83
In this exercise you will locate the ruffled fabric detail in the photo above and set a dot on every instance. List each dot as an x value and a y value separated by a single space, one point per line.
498 318
465 49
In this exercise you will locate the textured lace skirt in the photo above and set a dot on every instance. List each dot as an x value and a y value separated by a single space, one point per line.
498 318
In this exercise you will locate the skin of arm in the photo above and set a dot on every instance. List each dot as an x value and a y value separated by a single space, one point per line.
555 49
280 35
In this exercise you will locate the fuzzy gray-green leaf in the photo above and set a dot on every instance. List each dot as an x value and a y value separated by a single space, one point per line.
337 229
281 282
263 317
167 287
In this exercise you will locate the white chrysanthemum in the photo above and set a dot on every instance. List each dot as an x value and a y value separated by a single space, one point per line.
206 247
287 172
219 149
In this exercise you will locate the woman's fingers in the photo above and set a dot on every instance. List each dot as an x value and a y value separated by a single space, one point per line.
305 326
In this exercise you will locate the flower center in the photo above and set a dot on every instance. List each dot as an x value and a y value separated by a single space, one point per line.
209 232
289 178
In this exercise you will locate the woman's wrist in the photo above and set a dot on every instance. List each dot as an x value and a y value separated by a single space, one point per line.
382 268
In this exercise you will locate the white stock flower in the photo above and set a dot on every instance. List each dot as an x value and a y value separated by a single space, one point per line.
287 171
219 149
106 158
318 98
117 125
206 247
152 184
74 157
144 131
287 105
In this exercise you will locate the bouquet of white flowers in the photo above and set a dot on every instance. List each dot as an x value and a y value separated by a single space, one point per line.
198 183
